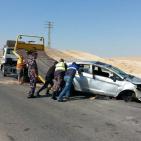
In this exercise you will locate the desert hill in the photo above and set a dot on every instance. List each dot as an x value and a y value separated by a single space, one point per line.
130 64
133 58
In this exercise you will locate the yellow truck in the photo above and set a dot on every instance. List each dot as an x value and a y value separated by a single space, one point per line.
25 43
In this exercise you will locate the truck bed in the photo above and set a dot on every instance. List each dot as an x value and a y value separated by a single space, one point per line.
44 62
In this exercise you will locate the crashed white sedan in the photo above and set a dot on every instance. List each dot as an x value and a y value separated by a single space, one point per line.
105 79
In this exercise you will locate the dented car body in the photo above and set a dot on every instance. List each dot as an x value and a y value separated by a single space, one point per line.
104 79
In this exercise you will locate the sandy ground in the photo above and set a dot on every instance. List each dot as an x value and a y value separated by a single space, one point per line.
133 58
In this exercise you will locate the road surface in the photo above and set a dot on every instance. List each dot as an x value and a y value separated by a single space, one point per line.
81 119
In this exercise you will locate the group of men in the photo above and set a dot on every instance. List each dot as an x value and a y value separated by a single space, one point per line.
59 77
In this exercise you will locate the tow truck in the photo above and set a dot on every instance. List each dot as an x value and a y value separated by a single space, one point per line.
25 43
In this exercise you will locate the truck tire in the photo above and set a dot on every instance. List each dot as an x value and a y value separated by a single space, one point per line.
10 43
3 71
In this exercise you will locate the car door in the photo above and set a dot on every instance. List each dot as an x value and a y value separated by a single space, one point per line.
82 81
102 83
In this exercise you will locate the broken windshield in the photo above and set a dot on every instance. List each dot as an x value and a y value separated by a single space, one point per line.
118 71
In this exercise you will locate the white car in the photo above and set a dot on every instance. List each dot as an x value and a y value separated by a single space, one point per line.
105 79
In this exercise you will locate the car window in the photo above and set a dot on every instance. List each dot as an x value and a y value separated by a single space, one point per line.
85 68
108 73
101 71
105 73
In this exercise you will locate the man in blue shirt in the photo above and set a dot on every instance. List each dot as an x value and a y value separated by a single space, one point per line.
68 78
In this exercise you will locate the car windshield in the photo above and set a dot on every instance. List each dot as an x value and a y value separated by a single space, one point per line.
9 51
118 71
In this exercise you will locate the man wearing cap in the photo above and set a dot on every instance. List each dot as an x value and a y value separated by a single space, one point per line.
32 72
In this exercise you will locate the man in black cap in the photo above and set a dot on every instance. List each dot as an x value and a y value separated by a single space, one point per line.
32 72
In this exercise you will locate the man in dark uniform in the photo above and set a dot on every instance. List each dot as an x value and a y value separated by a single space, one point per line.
48 79
32 72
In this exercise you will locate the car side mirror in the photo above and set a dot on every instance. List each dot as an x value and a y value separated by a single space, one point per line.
20 37
41 39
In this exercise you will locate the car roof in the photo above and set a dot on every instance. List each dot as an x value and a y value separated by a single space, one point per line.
97 63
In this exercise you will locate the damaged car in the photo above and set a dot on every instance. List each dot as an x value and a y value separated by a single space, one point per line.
105 79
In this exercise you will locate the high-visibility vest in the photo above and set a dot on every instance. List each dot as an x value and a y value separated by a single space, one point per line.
20 63
60 66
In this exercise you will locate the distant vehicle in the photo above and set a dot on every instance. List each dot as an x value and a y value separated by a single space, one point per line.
8 60
104 79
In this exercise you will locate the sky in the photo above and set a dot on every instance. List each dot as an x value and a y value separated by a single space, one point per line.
106 28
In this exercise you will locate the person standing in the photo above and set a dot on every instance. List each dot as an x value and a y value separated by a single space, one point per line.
20 69
58 78
68 78
48 79
32 72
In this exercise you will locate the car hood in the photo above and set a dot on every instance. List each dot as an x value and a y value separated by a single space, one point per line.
134 79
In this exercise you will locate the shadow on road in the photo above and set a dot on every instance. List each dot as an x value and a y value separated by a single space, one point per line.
81 96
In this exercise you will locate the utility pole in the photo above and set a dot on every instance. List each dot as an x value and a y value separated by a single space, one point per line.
49 26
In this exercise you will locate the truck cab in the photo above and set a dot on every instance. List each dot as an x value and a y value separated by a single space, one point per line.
8 61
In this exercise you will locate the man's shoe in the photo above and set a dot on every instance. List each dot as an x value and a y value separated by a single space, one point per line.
54 98
31 96
38 95
60 100
66 98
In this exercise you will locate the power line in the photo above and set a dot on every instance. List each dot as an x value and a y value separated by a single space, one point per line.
49 26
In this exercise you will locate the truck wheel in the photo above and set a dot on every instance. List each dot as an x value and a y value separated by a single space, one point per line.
3 71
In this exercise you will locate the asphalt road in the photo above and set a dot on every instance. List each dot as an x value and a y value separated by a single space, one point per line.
81 119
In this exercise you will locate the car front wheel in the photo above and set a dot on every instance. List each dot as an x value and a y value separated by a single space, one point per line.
128 96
